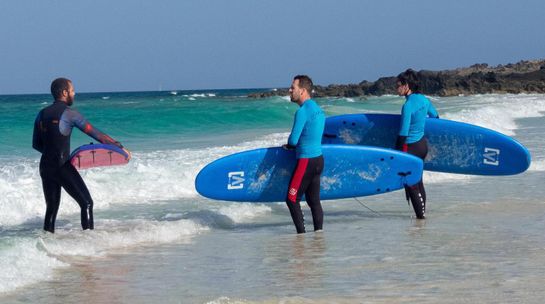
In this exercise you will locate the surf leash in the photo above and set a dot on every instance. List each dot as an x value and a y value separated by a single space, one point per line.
375 212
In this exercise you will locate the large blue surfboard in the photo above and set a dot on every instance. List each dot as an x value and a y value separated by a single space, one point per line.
453 147
263 175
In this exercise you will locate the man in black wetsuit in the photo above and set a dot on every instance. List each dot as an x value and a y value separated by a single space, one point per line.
52 130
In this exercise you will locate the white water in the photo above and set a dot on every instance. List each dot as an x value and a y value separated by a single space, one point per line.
152 202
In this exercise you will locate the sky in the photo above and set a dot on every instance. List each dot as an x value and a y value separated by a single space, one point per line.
136 45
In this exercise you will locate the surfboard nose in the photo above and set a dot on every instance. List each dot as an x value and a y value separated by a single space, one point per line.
528 158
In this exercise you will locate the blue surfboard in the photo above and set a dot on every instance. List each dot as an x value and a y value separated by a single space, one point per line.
263 175
453 147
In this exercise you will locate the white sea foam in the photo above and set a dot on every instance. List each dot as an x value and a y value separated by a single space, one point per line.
198 95
537 165
149 177
498 112
241 213
22 199
22 263
117 234
227 300
28 260
439 177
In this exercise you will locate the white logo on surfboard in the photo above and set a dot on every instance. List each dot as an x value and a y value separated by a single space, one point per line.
491 156
236 180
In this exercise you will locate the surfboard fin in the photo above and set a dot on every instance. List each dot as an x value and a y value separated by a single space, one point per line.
404 174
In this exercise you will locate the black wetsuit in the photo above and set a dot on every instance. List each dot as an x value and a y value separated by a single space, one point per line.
416 193
306 180
52 130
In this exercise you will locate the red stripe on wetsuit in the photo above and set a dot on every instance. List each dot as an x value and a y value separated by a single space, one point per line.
297 179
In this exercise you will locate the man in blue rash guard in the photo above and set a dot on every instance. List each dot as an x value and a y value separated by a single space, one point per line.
52 131
411 134
306 139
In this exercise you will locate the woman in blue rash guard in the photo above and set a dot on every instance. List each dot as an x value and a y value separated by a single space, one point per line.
411 137
306 139
52 130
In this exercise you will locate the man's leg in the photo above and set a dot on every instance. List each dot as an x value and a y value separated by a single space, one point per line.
295 191
74 185
52 194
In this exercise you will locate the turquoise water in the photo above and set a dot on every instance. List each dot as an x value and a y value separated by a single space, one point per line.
139 119
157 240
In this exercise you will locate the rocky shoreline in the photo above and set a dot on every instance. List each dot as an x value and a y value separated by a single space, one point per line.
521 77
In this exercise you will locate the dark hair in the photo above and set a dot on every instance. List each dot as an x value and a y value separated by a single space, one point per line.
304 82
58 85
411 78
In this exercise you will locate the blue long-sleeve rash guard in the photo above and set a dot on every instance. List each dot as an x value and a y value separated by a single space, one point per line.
413 117
308 127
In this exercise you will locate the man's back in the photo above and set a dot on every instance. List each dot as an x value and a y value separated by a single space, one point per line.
311 136
48 139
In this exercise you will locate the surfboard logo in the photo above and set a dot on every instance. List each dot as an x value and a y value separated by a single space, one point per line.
236 180
491 156
293 192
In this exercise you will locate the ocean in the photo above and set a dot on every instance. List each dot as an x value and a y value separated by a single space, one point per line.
157 240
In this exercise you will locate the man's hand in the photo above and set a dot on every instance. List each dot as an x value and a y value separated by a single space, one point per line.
288 147
129 153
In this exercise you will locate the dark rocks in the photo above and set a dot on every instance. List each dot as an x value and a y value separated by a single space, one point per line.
279 92
521 77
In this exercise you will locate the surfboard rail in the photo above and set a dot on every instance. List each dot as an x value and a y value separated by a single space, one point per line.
98 155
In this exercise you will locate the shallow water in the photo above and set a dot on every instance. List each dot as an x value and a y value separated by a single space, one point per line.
157 240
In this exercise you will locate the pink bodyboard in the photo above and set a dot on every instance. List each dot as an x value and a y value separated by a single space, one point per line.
98 155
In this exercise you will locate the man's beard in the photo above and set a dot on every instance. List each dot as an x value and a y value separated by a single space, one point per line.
292 98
